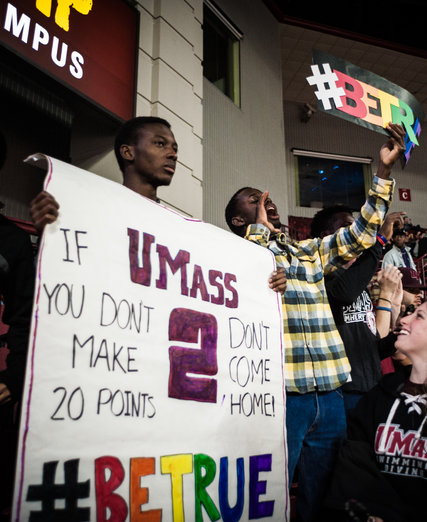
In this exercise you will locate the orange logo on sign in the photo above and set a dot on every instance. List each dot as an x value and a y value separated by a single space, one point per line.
63 8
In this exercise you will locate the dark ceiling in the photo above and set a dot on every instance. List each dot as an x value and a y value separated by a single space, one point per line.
398 25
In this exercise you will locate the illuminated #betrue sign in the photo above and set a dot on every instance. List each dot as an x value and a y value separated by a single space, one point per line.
364 98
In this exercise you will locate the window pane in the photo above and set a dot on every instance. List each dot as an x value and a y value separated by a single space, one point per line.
221 56
325 182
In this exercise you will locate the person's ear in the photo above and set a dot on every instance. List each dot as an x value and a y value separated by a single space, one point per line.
127 152
238 221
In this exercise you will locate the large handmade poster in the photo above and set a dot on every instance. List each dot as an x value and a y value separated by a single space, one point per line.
154 386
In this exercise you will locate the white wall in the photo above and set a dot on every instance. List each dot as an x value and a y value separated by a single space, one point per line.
245 146
169 85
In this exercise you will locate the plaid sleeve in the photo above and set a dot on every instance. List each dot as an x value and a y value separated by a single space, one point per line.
259 234
348 242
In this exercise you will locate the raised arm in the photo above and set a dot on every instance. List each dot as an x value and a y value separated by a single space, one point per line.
391 150
388 279
348 242
348 284
345 285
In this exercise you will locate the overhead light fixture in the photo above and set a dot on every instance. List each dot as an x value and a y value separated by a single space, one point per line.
327 155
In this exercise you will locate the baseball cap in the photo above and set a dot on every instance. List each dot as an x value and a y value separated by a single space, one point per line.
410 278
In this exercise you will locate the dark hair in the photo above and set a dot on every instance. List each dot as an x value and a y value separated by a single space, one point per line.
323 219
399 232
410 309
128 133
230 211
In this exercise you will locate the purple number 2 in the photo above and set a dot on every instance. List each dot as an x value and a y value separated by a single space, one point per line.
184 326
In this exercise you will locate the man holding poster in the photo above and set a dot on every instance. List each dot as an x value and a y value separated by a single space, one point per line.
315 361
154 385
146 151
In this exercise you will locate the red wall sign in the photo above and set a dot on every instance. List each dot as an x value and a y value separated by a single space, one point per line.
404 194
90 45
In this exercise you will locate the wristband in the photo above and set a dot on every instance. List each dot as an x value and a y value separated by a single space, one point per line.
384 299
382 239
384 308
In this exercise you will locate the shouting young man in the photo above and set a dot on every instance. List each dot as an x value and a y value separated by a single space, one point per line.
315 361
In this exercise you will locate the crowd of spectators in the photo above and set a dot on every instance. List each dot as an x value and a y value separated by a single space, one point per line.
355 333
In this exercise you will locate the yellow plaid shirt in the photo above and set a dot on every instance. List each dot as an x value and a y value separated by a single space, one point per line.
315 358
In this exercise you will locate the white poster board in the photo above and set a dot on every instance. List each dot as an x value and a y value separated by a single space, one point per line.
154 385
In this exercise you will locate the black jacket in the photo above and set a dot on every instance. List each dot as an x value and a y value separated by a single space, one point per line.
354 316
16 289
383 463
